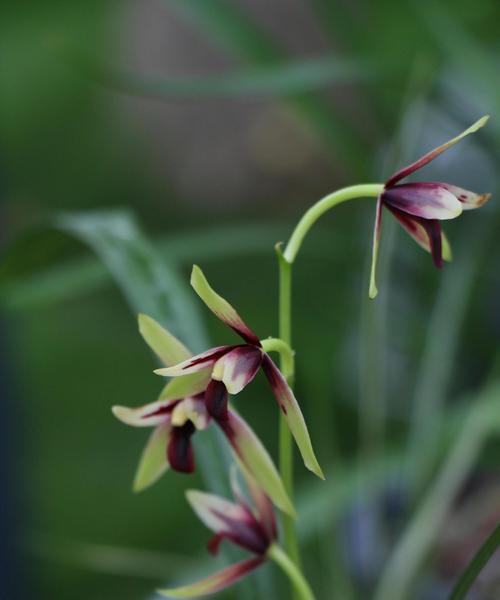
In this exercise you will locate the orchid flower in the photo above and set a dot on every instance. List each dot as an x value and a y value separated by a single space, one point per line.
234 367
251 528
420 206
179 412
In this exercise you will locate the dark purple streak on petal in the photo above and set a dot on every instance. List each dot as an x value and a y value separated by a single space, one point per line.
163 410
210 356
247 533
216 399
179 450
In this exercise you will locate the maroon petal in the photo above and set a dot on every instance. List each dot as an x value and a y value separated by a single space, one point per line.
423 199
247 532
426 158
180 451
216 582
427 233
216 398
214 543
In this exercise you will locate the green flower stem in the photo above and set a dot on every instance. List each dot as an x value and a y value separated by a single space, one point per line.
285 352
285 260
289 567
366 190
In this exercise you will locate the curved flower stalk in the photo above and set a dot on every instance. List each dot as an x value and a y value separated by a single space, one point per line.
180 412
233 367
419 207
249 526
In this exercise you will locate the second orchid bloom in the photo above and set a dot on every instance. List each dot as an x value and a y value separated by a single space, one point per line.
234 367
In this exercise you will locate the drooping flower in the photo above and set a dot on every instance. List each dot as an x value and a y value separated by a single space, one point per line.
180 412
419 207
251 528
234 367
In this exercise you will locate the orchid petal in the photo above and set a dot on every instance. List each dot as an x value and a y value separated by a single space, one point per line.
180 450
292 413
149 415
210 507
167 347
376 241
216 582
195 363
186 385
237 368
469 200
263 507
425 200
221 307
250 450
153 462
229 520
405 171
190 409
216 399
414 227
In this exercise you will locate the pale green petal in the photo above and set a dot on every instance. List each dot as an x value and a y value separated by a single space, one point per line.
187 385
167 347
250 450
208 507
153 462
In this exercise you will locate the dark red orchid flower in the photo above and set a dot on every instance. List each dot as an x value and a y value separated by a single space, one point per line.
252 528
419 207
180 412
234 367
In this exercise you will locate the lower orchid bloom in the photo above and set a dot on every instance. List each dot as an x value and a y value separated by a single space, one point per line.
234 367
250 528
179 412
419 207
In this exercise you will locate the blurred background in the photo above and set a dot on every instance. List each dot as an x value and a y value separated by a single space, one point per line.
140 137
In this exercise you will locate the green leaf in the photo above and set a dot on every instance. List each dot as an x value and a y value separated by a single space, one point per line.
235 32
271 80
482 556
151 285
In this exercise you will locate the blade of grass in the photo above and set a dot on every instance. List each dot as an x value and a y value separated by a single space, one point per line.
234 31
300 76
423 530
476 565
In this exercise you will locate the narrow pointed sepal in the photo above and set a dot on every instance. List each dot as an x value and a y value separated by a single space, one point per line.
153 462
251 452
427 158
292 413
186 385
216 582
195 363
221 307
372 292
166 346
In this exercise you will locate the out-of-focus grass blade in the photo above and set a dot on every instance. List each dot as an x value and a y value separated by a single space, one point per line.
234 31
149 283
422 532
31 280
482 556
273 80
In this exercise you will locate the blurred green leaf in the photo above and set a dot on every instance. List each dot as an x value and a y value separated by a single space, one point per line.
273 80
149 283
476 565
233 30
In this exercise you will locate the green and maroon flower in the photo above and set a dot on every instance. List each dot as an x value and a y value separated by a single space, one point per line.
419 207
180 412
234 367
252 528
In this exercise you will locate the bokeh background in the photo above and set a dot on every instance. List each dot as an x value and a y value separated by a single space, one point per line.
140 137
